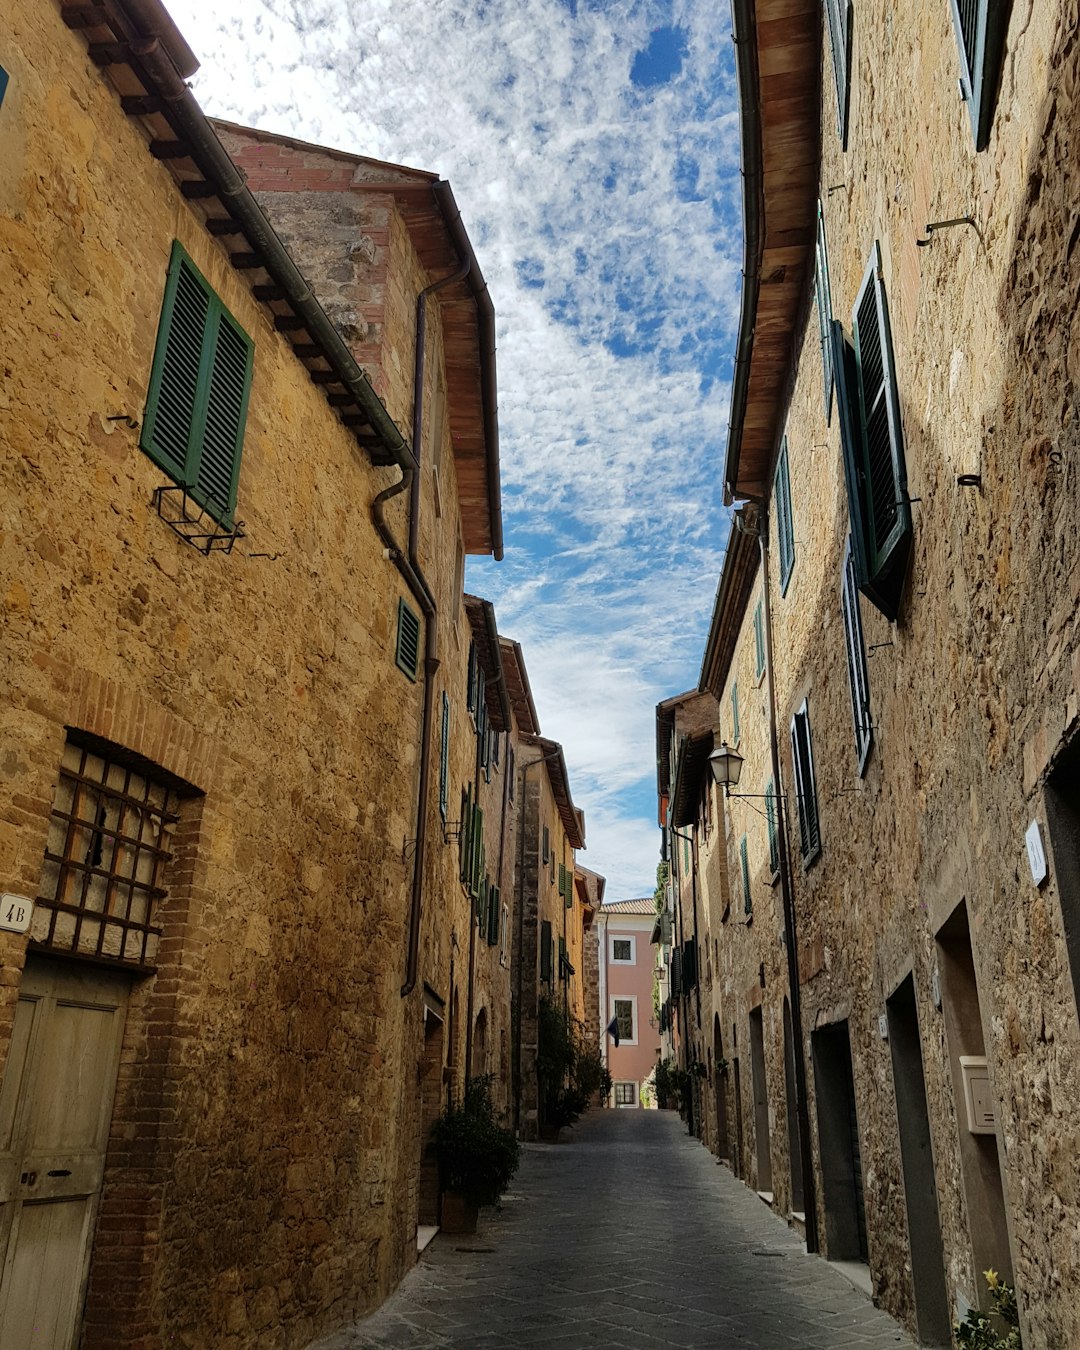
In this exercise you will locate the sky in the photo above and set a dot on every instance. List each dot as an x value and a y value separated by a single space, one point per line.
592 148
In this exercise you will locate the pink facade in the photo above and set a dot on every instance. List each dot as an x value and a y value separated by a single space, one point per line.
627 963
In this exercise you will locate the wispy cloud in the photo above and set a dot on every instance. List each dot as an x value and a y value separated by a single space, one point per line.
592 147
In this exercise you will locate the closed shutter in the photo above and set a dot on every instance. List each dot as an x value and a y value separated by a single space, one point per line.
759 640
444 759
199 385
493 916
690 970
734 737
888 514
806 788
407 654
858 674
980 35
840 26
774 836
823 298
785 530
545 950
748 902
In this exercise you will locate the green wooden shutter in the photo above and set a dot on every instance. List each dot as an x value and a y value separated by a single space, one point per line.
444 759
477 855
823 297
785 531
407 652
545 949
493 916
858 674
200 381
470 691
759 640
806 788
840 26
465 835
748 903
770 819
980 35
734 717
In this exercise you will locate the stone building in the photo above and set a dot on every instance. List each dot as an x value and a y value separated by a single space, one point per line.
590 888
235 678
893 648
626 975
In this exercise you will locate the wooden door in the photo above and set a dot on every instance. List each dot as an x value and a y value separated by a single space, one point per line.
55 1109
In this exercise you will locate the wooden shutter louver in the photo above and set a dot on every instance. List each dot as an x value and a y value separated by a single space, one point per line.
785 531
839 14
858 674
980 35
806 788
823 298
226 410
407 654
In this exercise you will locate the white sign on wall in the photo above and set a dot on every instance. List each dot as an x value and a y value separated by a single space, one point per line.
16 912
1036 853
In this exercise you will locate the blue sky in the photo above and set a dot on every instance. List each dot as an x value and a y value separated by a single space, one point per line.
592 146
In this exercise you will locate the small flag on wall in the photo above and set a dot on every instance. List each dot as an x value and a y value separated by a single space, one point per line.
613 1030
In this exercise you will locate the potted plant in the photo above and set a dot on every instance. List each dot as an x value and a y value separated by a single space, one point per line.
570 1072
477 1157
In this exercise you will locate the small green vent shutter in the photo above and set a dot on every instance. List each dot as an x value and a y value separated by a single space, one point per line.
748 903
199 385
408 640
774 837
444 759
785 532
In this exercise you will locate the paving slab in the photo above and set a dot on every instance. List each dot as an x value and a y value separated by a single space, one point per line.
630 1235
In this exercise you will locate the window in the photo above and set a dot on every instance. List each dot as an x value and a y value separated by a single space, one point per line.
407 653
626 1094
839 14
622 950
546 951
734 738
748 902
759 640
624 1011
196 406
774 836
785 536
444 759
806 789
871 436
545 847
494 910
980 34
858 675
823 297
110 837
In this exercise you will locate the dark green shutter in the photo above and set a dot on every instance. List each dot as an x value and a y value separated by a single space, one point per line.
734 728
839 14
823 296
748 903
477 854
806 788
774 837
785 530
465 836
493 916
858 674
545 949
407 653
444 759
545 845
199 386
759 640
980 35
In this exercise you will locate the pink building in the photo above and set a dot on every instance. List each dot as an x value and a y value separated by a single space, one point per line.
627 967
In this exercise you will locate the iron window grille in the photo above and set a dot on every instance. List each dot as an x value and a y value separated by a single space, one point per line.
108 845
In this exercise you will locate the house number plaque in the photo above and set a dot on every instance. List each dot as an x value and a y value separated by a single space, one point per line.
16 912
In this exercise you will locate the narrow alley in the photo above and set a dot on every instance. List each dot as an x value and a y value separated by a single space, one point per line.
630 1234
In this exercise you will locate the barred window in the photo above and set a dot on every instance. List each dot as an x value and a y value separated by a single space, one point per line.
108 845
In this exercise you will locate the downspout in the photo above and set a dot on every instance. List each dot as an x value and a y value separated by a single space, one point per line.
520 906
790 926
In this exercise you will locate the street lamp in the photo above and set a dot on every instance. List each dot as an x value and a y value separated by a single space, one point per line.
726 765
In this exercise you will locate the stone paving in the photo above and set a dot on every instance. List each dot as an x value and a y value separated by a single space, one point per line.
628 1234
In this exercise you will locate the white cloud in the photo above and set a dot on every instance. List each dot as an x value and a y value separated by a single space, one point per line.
605 220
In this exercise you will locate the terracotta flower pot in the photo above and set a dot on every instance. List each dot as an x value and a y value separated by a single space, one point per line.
458 1213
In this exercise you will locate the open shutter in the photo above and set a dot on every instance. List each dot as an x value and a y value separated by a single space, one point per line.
748 904
858 675
888 513
218 448
838 13
465 835
823 297
477 856
734 738
759 640
802 754
785 532
444 758
770 819
980 35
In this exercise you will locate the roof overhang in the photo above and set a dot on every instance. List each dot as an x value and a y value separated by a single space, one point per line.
573 820
517 685
741 563
690 772
489 653
778 65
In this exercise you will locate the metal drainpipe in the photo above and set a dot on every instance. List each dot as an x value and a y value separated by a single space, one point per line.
790 928
520 906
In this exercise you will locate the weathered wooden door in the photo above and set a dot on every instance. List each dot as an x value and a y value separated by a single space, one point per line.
55 1107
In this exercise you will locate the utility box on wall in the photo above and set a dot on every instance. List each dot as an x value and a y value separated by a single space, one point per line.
977 1098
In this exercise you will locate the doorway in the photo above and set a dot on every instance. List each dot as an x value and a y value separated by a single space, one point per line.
762 1139
720 1087
794 1147
740 1147
838 1141
430 1108
55 1110
916 1154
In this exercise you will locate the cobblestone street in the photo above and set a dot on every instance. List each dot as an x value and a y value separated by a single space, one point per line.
629 1234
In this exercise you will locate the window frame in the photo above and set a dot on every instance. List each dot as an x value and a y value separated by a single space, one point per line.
632 1000
633 1100
619 960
